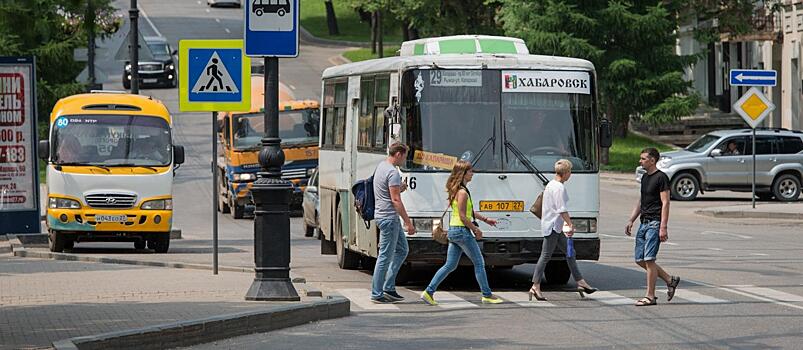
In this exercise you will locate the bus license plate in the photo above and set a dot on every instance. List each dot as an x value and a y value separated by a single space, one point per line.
111 218
501 205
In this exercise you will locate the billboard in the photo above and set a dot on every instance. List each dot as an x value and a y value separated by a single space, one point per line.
19 183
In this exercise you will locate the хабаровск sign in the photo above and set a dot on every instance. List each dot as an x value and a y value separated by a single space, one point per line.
546 81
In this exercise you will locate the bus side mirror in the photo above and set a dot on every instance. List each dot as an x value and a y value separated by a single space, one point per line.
605 134
178 154
44 150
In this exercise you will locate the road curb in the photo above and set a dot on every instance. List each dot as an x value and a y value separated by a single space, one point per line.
188 333
308 37
742 214
18 249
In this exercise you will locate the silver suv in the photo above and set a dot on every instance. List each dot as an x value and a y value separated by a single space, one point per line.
722 160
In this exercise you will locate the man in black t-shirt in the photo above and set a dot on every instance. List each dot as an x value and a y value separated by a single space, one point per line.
653 208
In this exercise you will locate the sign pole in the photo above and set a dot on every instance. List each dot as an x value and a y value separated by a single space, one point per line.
134 15
215 194
754 168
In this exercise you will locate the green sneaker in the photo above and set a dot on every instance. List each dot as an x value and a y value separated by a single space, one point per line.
427 298
493 299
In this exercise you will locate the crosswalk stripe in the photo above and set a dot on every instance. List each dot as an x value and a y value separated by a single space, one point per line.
522 299
694 297
610 298
772 294
448 300
362 297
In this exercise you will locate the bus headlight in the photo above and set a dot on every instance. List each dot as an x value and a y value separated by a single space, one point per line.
310 171
158 204
63 203
423 224
584 225
245 177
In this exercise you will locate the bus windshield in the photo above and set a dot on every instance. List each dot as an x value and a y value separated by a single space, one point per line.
469 114
299 127
112 141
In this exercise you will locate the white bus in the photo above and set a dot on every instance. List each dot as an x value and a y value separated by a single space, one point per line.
479 98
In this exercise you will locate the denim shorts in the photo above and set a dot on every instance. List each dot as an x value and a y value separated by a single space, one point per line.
648 241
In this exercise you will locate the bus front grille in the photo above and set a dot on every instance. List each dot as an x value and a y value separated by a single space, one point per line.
111 200
290 174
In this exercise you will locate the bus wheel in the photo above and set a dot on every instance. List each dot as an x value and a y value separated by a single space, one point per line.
346 259
56 241
222 204
139 245
557 272
69 244
160 242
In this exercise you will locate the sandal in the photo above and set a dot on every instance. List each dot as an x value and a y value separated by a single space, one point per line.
671 287
647 301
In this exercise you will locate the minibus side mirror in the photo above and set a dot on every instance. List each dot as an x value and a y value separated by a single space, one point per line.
44 150
178 154
605 134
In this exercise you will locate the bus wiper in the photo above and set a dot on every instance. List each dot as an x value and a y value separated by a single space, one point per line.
83 164
134 165
526 162
491 140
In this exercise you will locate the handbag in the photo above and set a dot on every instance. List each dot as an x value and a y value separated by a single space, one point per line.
439 234
538 205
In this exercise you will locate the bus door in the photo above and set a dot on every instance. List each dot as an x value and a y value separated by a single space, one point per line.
349 168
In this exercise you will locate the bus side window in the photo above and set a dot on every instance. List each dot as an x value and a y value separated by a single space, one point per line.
227 131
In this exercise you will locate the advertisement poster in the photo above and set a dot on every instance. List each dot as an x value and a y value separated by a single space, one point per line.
18 183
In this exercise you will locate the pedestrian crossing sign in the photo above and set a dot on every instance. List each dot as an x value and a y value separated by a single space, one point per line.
214 76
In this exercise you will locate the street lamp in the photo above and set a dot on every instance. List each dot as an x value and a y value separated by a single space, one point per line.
272 199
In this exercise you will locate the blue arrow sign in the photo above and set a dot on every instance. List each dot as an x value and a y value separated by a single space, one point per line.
753 77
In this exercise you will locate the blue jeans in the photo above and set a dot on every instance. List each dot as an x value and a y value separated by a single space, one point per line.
461 240
648 241
392 252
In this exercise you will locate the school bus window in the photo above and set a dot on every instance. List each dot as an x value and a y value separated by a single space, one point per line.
365 119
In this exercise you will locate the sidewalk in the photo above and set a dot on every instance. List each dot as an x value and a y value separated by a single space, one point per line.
772 210
45 301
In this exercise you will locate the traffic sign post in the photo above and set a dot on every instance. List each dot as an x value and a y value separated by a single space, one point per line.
213 75
753 107
753 77
271 31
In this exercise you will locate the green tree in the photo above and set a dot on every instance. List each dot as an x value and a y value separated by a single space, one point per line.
632 46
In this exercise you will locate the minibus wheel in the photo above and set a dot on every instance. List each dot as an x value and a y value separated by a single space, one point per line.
139 245
237 211
56 241
160 242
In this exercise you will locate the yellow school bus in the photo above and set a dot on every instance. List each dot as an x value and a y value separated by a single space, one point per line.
240 136
110 165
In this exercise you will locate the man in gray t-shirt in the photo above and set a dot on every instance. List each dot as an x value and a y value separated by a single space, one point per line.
387 209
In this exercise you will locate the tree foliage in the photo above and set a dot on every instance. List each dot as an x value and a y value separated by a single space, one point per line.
632 46
50 30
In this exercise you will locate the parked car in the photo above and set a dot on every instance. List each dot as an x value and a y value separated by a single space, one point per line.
160 71
221 3
312 206
722 160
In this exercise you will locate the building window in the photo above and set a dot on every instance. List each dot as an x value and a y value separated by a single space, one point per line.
788 23
800 22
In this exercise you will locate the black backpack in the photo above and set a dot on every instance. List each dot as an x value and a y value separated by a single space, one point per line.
363 192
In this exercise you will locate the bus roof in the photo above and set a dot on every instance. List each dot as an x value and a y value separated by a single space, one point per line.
109 103
459 61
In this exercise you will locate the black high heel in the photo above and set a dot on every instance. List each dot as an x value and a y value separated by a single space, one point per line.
538 297
583 290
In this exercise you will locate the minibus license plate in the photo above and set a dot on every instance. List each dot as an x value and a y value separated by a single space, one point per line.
501 205
111 218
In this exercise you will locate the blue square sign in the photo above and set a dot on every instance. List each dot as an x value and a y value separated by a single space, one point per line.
271 28
215 75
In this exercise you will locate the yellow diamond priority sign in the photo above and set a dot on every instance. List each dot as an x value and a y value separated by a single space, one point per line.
753 106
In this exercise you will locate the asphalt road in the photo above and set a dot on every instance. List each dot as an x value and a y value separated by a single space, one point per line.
742 285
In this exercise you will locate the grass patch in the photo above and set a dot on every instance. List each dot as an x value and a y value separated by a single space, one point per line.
624 154
313 18
365 54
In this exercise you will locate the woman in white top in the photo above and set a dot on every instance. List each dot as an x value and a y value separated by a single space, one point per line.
553 215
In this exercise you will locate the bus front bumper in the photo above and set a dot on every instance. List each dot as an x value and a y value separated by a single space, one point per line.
501 251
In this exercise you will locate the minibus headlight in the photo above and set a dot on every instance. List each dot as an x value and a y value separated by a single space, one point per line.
245 177
585 225
158 204
423 224
63 203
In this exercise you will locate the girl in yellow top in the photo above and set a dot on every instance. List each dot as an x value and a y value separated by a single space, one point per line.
461 227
